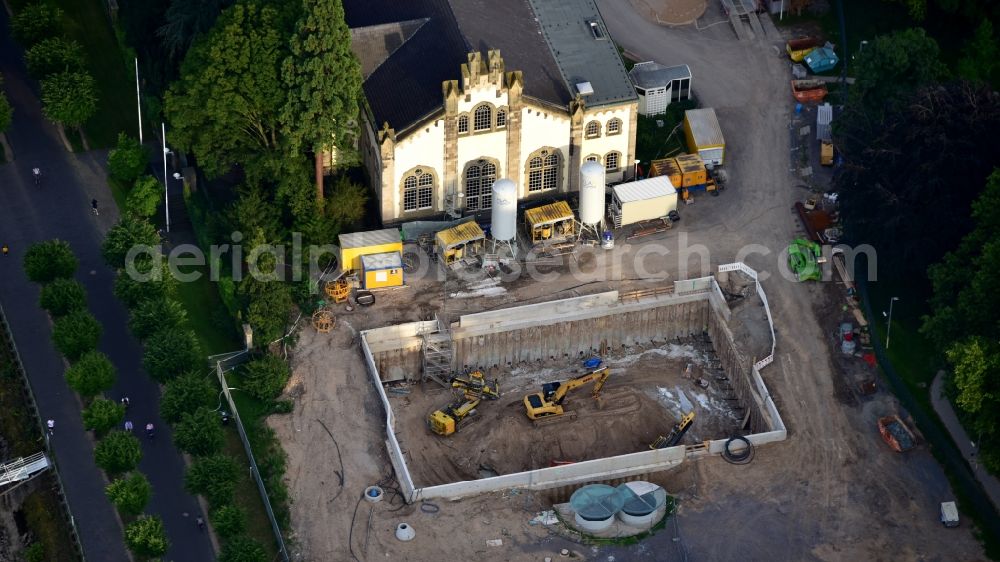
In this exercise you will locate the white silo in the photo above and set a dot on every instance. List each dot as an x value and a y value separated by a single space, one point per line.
503 227
592 188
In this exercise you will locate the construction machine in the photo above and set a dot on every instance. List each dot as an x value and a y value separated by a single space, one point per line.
548 402
447 420
676 433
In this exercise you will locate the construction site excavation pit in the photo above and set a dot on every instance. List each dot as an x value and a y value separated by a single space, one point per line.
669 350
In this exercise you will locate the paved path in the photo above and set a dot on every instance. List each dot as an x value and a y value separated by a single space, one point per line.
947 414
60 209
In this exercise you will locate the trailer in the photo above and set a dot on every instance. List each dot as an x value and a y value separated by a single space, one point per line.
642 200
704 136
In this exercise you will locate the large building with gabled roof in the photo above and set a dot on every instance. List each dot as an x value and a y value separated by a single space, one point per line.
461 93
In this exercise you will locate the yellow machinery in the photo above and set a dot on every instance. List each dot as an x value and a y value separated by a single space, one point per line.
826 153
549 401
338 290
474 390
458 242
554 222
676 433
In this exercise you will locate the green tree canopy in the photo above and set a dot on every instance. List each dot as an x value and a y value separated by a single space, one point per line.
6 111
225 105
199 433
118 452
146 536
980 60
76 333
891 68
170 352
128 160
268 307
266 377
154 314
92 374
62 296
186 20
242 549
130 232
144 198
229 521
103 415
130 493
69 97
323 80
149 284
52 259
54 54
34 22
187 393
346 205
214 477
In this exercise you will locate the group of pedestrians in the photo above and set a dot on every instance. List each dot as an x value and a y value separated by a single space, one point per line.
50 424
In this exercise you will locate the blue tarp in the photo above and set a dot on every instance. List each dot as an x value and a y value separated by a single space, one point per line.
822 59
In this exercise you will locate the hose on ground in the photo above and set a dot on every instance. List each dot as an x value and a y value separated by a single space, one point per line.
742 456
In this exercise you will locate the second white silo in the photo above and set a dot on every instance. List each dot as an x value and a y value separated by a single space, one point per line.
503 227
592 189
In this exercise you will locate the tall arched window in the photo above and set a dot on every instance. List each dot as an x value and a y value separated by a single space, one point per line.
543 170
479 178
483 118
614 126
463 123
612 161
593 130
418 190
501 118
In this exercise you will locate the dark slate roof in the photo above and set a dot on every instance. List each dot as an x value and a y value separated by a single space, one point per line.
654 75
549 40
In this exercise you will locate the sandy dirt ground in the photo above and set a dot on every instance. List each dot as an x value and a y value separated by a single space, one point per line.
648 390
832 491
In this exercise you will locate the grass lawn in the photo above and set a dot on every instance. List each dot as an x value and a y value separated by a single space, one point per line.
206 316
248 497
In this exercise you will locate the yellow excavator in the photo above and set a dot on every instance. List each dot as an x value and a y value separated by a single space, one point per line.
474 390
549 401
676 433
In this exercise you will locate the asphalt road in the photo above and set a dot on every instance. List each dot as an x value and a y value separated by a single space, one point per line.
60 208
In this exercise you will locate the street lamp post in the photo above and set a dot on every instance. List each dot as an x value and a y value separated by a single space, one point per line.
166 179
888 328
138 99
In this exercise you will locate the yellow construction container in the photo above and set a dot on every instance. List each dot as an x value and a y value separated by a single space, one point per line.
554 222
692 169
666 167
382 270
357 244
457 242
704 136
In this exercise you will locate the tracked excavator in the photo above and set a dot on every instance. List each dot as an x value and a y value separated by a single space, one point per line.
676 433
548 402
474 389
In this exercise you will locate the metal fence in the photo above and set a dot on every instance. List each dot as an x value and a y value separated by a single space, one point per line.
231 360
8 339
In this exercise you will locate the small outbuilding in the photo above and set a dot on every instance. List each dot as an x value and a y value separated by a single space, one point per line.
356 244
554 222
658 86
381 270
459 242
642 200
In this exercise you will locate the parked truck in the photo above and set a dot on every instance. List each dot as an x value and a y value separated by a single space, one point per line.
704 136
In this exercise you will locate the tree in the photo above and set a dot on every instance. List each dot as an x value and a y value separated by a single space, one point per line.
346 205
186 20
52 259
977 377
75 334
130 494
891 68
225 105
185 394
154 314
255 210
6 111
214 477
170 352
266 377
103 415
92 374
242 549
323 80
69 98
118 452
150 284
144 198
979 56
268 305
146 537
199 433
128 161
52 55
35 22
130 232
229 521
62 296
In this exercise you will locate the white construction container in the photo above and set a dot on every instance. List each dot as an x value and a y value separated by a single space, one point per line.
949 514
592 188
504 217
642 200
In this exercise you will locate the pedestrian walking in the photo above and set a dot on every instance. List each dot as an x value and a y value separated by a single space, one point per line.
128 425
126 402
201 524
6 250
150 430
93 205
37 174
51 425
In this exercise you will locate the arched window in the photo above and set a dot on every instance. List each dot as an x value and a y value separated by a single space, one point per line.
593 130
611 161
479 178
418 190
543 170
483 118
593 158
463 123
614 126
501 118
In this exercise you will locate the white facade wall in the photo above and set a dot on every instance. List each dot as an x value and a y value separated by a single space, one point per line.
541 127
424 147
605 143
